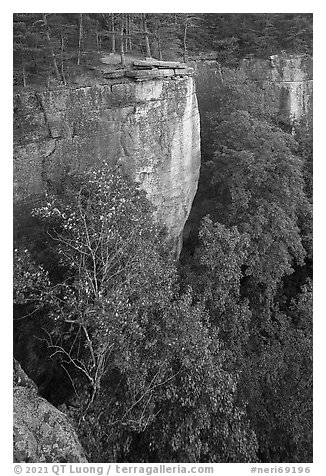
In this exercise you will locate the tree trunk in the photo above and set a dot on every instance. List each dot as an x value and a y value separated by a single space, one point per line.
122 54
158 39
129 34
97 37
62 62
24 71
127 31
148 49
185 52
80 38
113 34
24 76
47 32
220 71
159 48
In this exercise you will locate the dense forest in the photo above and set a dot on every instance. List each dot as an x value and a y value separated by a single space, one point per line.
207 359
54 47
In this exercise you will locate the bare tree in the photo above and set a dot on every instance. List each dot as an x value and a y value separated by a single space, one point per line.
185 31
122 54
113 33
126 32
145 31
97 36
47 32
24 73
157 36
62 60
129 35
80 37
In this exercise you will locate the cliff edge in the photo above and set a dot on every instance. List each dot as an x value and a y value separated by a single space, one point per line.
149 127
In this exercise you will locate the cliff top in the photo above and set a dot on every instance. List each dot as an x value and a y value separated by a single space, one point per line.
106 68
139 69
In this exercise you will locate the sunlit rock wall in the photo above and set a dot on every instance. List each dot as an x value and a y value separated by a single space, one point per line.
150 128
292 79
288 79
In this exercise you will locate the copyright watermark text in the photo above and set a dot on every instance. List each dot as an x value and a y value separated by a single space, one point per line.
112 469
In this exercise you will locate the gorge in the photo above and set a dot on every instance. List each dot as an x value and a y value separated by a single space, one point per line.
150 128
138 351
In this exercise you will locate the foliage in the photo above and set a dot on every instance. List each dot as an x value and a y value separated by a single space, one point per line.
142 358
268 349
102 239
251 256
166 41
260 34
72 40
29 278
255 180
211 364
174 401
304 138
277 383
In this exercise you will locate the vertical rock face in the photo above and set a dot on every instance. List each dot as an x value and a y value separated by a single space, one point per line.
286 87
150 128
288 78
292 80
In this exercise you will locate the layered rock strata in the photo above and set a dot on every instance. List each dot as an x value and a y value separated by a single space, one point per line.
292 79
286 79
149 127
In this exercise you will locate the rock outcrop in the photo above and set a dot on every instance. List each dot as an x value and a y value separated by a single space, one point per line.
285 87
292 79
42 434
150 128
288 79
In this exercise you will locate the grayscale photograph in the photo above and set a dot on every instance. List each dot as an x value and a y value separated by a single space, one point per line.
162 237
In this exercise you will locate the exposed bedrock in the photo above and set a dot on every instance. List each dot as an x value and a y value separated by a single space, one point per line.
286 78
42 433
286 83
150 128
292 79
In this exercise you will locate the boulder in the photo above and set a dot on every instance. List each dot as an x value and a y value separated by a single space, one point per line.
42 433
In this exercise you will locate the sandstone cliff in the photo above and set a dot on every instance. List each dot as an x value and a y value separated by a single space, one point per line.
292 79
150 128
42 434
287 78
286 87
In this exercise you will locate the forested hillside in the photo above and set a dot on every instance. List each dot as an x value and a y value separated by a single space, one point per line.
208 359
57 46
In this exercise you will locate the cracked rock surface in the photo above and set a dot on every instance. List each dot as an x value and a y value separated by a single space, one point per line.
150 128
42 433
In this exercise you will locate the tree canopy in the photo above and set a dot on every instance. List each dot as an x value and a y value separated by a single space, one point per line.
55 46
250 262
125 333
208 359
